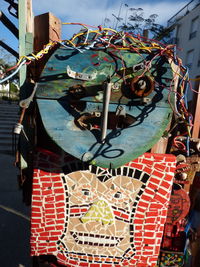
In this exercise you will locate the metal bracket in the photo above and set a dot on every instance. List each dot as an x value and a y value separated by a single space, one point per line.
26 102
121 111
140 66
80 75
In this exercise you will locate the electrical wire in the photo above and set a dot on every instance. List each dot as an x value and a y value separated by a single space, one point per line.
99 38
13 73
104 38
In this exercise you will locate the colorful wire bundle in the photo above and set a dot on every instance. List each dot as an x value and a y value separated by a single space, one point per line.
27 60
104 38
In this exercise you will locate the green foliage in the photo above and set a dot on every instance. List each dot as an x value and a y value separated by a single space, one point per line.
13 88
12 94
4 64
5 97
6 60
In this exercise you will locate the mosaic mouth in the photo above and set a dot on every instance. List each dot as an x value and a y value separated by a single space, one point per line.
96 240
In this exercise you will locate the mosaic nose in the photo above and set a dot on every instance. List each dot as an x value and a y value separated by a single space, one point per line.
101 212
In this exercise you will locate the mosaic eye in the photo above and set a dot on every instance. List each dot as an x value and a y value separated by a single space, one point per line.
118 195
85 192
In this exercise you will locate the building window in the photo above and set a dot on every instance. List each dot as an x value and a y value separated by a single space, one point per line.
189 58
194 28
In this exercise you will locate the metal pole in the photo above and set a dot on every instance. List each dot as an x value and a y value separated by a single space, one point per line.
9 49
9 24
106 101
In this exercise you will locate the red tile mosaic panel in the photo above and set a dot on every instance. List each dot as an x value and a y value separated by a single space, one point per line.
89 216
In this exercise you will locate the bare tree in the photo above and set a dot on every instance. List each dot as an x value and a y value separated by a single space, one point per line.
134 21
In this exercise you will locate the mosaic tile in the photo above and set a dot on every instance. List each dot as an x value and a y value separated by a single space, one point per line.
97 217
168 258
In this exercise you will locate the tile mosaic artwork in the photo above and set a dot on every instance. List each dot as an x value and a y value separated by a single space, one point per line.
173 259
94 217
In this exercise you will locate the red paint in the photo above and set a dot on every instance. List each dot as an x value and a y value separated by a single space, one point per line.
48 212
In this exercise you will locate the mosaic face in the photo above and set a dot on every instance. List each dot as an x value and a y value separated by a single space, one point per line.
93 217
99 213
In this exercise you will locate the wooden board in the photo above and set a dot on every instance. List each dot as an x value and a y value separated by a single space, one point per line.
46 28
61 104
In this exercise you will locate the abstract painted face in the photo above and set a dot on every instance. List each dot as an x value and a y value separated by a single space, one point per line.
99 213
101 98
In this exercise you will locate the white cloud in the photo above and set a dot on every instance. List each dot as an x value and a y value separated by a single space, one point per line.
165 10
94 12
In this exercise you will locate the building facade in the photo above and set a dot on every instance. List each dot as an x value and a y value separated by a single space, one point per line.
186 34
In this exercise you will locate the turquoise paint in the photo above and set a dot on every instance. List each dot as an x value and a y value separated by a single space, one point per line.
122 145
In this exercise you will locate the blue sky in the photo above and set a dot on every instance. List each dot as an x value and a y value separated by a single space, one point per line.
92 12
